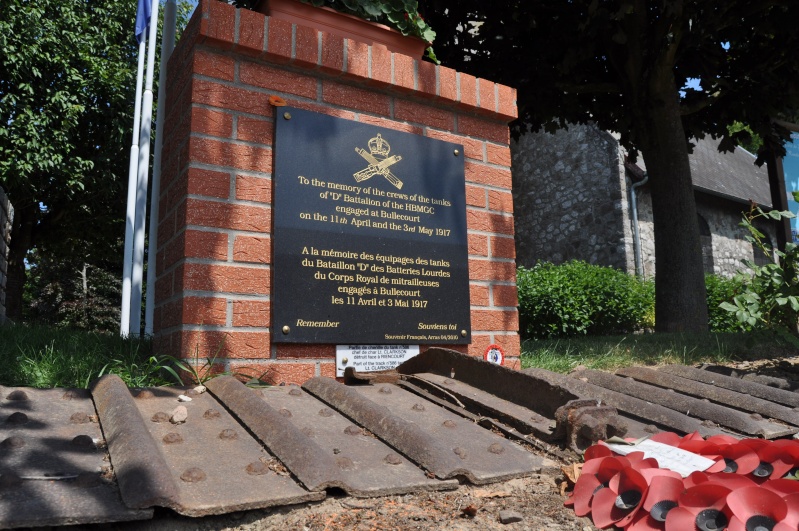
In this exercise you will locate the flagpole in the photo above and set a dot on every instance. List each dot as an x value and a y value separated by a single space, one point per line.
167 45
127 266
144 173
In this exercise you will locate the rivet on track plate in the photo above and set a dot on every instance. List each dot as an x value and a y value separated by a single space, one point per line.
496 448
72 394
13 442
345 463
393 459
79 418
17 395
172 438
295 392
229 435
418 407
193 475
211 414
17 418
285 412
257 468
83 441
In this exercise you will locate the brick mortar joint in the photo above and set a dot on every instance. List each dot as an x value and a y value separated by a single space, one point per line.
201 40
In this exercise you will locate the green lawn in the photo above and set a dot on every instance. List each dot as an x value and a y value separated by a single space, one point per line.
613 352
40 356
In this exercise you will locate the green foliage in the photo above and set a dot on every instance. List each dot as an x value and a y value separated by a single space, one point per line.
402 15
67 81
745 137
770 298
577 298
42 356
721 290
196 373
622 65
70 293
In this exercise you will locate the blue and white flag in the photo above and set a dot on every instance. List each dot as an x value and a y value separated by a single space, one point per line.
143 19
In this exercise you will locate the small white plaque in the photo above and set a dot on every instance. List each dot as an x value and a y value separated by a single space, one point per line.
371 358
681 461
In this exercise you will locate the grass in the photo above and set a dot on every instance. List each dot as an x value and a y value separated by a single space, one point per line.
613 352
40 356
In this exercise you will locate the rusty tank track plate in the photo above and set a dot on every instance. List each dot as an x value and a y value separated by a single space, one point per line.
54 468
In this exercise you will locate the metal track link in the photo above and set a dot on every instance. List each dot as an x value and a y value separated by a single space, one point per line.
54 468
723 416
713 393
192 456
436 439
645 418
319 445
772 394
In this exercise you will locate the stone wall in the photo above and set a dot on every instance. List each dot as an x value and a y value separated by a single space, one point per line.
572 201
570 198
6 218
215 233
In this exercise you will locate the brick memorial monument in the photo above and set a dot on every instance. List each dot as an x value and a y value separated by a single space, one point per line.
320 191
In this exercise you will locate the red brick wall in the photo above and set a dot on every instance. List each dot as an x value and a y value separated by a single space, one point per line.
214 237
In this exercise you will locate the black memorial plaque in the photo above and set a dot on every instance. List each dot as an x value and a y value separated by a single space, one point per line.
369 235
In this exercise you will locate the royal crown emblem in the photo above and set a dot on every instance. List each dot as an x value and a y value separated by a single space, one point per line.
379 161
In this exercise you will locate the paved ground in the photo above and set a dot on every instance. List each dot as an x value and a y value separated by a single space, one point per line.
535 500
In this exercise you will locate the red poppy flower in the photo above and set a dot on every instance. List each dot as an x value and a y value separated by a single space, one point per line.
755 508
700 507
618 503
662 496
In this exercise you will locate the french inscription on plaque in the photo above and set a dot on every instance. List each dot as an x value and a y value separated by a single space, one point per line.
369 238
371 358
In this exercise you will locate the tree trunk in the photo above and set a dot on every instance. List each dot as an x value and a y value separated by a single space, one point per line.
680 296
21 241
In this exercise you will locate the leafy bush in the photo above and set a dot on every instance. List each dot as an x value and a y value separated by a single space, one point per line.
70 293
721 290
577 298
770 296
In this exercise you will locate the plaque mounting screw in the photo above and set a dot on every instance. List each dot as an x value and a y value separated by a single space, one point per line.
464 333
456 152
286 330
287 115
345 360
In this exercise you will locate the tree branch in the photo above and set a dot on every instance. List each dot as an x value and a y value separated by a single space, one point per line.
696 106
589 88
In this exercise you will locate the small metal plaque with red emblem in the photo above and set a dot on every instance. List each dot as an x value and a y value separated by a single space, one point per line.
494 354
